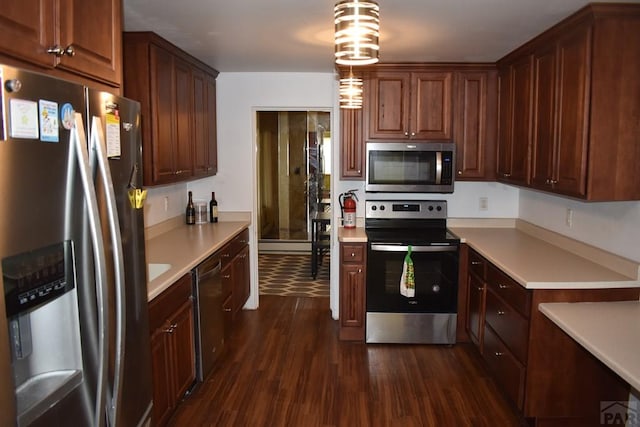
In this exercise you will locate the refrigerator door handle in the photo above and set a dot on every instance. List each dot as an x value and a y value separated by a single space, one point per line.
98 143
78 145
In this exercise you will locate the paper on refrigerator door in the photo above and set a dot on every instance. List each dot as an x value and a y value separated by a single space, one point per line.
112 134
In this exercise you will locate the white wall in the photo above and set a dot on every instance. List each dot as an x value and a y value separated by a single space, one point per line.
612 226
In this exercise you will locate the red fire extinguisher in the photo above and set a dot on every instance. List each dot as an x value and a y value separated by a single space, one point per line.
348 207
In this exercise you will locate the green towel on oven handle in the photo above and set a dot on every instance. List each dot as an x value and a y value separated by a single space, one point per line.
407 280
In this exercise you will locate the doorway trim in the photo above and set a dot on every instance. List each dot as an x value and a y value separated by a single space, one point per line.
256 196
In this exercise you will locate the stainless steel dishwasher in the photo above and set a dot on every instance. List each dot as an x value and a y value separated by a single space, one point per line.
209 315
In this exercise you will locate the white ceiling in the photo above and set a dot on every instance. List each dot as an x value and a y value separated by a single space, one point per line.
297 35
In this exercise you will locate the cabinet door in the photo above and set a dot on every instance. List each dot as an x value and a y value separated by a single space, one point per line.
184 118
515 128
183 346
504 123
475 125
387 105
574 63
162 115
475 314
352 296
430 110
93 29
161 369
27 30
544 109
211 139
241 279
352 144
204 124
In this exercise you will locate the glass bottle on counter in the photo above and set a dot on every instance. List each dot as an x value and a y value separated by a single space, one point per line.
191 211
213 208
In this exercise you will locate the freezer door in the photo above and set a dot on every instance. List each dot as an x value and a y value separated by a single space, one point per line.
44 206
120 120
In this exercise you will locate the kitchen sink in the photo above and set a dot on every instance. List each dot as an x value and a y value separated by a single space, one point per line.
155 270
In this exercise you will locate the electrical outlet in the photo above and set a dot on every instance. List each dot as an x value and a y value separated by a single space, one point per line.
483 203
569 218
166 203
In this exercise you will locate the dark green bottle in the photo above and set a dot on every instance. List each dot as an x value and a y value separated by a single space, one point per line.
213 208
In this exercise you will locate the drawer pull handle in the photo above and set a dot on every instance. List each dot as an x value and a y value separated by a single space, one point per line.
500 313
480 288
501 286
353 254
476 262
227 310
226 255
171 328
359 270
226 276
498 354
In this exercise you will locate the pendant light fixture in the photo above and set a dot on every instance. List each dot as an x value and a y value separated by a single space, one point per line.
350 92
357 30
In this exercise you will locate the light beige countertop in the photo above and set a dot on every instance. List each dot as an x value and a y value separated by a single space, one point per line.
352 235
535 263
608 330
184 247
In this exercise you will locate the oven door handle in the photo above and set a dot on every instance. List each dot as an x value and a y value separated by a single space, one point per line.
404 248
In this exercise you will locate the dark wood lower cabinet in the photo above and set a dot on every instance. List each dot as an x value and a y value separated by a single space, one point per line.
550 378
352 291
241 279
172 348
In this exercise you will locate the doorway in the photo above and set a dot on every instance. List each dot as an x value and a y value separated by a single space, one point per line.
294 166
294 181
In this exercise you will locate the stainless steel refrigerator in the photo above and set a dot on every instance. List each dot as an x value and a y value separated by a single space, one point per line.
74 333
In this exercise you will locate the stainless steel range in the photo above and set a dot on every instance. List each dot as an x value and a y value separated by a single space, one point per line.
427 314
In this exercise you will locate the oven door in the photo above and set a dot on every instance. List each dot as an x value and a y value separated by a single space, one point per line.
436 278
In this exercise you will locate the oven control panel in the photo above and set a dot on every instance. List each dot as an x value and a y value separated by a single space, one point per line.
406 209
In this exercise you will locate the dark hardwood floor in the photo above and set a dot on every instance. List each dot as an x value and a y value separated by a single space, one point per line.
284 366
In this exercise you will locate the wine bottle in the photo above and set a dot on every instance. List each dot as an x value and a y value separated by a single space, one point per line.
191 211
213 208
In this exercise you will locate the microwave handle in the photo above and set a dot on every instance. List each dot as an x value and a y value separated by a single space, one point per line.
438 167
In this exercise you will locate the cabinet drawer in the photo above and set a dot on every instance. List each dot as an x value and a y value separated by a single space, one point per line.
169 301
509 290
477 264
506 369
236 244
353 253
512 328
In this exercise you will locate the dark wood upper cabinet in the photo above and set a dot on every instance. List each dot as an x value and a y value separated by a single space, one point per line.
204 99
426 102
352 144
475 124
544 105
400 104
92 30
431 100
574 66
177 94
584 120
515 121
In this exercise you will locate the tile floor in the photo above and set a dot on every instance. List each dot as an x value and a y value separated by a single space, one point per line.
290 275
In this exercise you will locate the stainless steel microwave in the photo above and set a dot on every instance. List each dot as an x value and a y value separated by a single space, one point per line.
410 167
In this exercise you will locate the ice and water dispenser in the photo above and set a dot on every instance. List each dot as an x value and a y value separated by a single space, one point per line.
44 331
